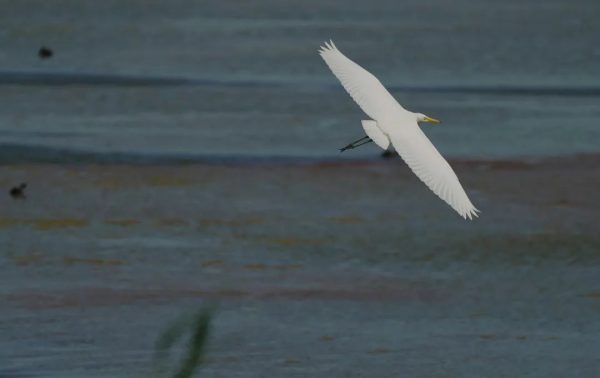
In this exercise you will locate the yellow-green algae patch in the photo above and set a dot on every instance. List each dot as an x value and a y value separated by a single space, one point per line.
50 224
24 260
172 181
256 266
44 223
284 240
92 261
261 266
122 222
10 222
207 222
215 262
292 241
346 219
379 351
171 222
111 183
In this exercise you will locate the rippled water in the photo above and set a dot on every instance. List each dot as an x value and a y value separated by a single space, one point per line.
244 79
322 264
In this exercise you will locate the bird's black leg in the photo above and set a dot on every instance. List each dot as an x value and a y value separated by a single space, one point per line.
364 142
356 143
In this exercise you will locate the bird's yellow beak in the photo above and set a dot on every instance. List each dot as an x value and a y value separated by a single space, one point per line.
431 120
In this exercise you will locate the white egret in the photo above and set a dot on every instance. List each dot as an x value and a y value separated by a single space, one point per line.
391 123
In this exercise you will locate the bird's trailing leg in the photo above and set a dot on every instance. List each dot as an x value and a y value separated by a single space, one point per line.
357 143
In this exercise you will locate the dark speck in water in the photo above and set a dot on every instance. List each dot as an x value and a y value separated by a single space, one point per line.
45 52
18 192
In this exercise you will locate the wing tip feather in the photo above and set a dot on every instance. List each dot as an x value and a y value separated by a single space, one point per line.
471 213
327 46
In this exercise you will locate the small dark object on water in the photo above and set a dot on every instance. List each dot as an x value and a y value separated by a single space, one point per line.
18 192
45 53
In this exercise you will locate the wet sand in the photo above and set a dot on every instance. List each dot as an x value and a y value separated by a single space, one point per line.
332 268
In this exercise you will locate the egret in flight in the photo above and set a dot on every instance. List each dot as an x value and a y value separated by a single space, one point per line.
391 123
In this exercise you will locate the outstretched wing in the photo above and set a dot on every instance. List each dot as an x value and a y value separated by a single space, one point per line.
426 162
363 87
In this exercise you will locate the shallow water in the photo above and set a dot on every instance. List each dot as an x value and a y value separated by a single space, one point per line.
314 269
199 122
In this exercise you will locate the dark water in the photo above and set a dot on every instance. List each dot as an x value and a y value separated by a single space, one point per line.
182 153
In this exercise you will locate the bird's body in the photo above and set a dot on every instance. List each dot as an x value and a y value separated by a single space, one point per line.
392 124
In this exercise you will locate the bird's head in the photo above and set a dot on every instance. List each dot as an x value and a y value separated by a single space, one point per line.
423 118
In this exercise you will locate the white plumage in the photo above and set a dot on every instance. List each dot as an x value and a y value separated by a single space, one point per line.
375 134
392 123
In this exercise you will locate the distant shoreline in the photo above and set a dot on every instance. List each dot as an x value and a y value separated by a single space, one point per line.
44 78
22 154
